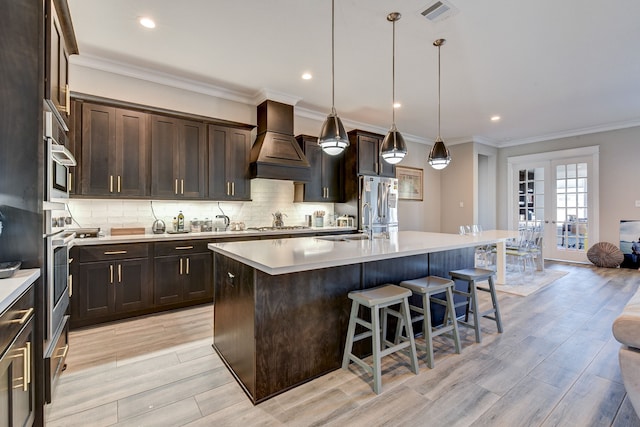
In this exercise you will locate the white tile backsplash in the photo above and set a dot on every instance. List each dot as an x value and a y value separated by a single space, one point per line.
267 196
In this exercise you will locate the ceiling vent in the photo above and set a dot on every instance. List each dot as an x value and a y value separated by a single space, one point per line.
439 10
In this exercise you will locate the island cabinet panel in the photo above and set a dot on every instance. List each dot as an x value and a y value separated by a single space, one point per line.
440 264
234 319
276 332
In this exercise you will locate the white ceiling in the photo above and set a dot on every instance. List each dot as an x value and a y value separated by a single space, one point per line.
549 68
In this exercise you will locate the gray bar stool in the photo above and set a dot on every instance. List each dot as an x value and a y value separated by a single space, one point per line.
471 276
427 287
376 299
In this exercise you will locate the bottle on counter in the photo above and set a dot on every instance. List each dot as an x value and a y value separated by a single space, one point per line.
175 224
180 221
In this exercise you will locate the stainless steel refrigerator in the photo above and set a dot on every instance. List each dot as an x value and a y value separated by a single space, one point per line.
378 203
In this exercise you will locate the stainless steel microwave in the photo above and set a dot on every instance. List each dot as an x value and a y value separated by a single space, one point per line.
58 180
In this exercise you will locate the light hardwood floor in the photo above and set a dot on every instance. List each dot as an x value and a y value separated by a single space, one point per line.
556 364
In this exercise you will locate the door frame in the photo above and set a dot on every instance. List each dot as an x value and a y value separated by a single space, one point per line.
549 156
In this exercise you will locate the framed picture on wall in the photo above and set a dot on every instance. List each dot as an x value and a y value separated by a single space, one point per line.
410 183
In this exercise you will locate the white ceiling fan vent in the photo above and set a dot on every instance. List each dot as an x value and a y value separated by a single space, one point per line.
439 10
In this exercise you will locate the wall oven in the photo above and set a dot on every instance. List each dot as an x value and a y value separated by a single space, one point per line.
57 242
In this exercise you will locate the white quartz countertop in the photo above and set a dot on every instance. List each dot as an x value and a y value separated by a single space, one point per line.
149 237
280 256
12 287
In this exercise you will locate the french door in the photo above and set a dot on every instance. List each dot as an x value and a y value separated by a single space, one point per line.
559 192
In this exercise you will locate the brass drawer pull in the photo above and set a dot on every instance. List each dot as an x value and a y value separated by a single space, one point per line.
181 266
65 349
115 252
180 248
111 273
24 317
187 265
110 183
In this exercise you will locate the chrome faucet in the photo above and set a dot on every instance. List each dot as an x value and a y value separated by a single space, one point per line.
369 229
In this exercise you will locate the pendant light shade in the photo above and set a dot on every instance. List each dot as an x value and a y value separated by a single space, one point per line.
333 138
439 156
393 148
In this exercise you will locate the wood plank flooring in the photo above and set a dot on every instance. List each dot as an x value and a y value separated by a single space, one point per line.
556 364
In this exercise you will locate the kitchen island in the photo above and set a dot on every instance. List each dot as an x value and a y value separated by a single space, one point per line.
281 308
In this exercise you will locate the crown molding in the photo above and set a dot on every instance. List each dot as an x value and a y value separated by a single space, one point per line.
274 95
166 79
571 132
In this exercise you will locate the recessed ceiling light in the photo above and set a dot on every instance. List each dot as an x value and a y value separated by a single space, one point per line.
306 76
397 105
147 22
495 118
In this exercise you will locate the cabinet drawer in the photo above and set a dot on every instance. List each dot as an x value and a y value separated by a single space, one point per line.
112 252
181 247
15 317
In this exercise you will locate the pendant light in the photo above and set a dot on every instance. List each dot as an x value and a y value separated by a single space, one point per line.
333 138
393 148
439 156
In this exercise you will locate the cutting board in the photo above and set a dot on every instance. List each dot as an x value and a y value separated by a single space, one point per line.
127 231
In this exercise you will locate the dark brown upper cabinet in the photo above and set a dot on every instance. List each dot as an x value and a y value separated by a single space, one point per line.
115 152
178 158
229 150
60 43
327 174
363 155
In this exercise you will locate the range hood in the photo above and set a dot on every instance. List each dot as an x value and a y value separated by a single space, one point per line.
276 154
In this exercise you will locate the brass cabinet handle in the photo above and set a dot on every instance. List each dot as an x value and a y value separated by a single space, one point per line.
119 183
233 188
27 365
176 186
70 260
179 248
64 352
115 252
119 273
110 183
182 186
111 273
67 100
70 285
231 275
187 265
24 317
70 178
181 266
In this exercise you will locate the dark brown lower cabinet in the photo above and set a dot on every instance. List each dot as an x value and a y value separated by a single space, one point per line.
184 277
111 287
16 378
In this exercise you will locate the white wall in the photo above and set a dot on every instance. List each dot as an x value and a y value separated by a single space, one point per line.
267 197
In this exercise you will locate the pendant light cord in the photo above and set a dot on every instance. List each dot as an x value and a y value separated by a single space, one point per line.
393 76
439 90
333 60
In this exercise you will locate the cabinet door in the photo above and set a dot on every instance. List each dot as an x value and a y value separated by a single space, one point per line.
57 69
332 176
192 155
131 153
165 168
95 289
386 169
133 288
229 151
98 150
22 377
314 190
368 156
197 282
167 287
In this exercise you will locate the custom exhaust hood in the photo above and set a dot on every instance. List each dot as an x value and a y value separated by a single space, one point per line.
276 154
